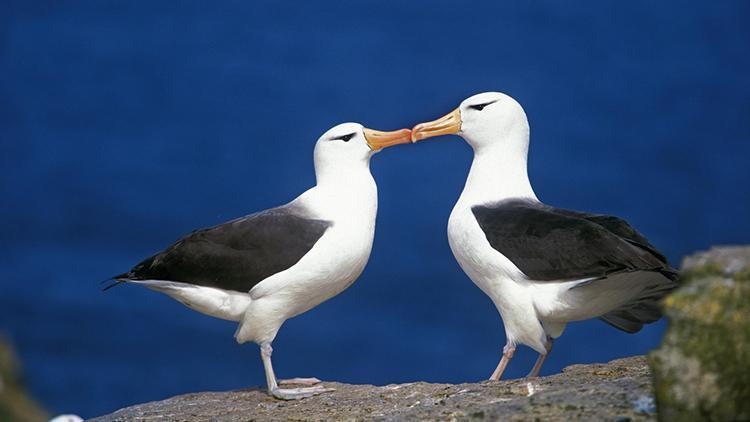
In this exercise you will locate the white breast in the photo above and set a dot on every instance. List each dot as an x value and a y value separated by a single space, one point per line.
510 290
332 265
531 309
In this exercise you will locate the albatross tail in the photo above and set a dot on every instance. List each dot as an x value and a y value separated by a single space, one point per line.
644 309
114 281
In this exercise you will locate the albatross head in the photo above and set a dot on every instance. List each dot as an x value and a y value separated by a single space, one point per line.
486 120
350 144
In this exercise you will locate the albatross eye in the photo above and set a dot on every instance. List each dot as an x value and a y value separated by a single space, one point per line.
480 106
345 138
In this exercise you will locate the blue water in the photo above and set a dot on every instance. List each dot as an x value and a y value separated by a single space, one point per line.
124 125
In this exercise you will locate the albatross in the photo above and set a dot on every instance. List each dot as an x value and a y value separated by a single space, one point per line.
542 266
264 268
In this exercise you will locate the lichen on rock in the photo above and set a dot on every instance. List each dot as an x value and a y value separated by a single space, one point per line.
702 369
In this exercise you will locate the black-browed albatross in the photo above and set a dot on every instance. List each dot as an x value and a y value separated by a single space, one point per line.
541 266
267 267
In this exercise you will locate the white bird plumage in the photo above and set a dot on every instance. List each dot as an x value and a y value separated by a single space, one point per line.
345 198
533 311
345 195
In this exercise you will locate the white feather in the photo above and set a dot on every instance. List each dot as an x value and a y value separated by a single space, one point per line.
530 309
218 303
346 196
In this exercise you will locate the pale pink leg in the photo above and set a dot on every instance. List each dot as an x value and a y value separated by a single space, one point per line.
287 393
540 360
508 351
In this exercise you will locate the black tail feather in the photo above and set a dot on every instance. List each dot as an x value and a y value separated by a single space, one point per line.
114 281
622 322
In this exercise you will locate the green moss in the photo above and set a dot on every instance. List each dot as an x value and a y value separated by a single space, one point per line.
742 276
715 269
707 270
718 300
702 369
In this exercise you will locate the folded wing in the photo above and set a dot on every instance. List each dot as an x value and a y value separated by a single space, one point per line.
238 254
552 244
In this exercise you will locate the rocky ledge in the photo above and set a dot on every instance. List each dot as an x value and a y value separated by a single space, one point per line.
619 390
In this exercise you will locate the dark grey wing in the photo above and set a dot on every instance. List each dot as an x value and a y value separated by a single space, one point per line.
238 254
646 308
619 227
548 244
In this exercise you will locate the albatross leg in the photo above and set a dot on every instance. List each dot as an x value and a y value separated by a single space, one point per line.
287 393
540 360
508 351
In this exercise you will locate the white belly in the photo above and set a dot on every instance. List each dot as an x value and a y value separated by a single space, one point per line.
510 290
334 263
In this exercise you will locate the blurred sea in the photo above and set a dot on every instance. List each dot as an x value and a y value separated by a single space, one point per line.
125 125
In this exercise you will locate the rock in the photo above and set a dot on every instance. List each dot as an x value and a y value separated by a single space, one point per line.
15 403
619 390
702 369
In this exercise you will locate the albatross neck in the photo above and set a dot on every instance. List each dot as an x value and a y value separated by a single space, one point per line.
345 191
497 173
343 175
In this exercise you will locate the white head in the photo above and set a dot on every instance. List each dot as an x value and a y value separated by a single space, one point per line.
350 145
490 120
495 126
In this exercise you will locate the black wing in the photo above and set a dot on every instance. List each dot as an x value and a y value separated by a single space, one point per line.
548 243
619 227
238 254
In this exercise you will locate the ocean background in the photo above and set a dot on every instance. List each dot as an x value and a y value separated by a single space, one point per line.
124 125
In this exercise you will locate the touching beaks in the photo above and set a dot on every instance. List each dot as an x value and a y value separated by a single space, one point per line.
446 125
378 140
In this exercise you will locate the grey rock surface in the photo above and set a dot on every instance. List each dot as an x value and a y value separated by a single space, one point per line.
730 259
618 391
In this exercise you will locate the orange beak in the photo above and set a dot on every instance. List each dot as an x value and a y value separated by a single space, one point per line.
378 140
446 125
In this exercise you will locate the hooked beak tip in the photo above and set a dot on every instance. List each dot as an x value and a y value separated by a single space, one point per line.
416 134
446 125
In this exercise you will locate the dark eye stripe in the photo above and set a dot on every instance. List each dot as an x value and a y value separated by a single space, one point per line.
345 138
481 106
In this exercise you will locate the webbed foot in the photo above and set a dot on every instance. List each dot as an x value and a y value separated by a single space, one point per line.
300 381
299 393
